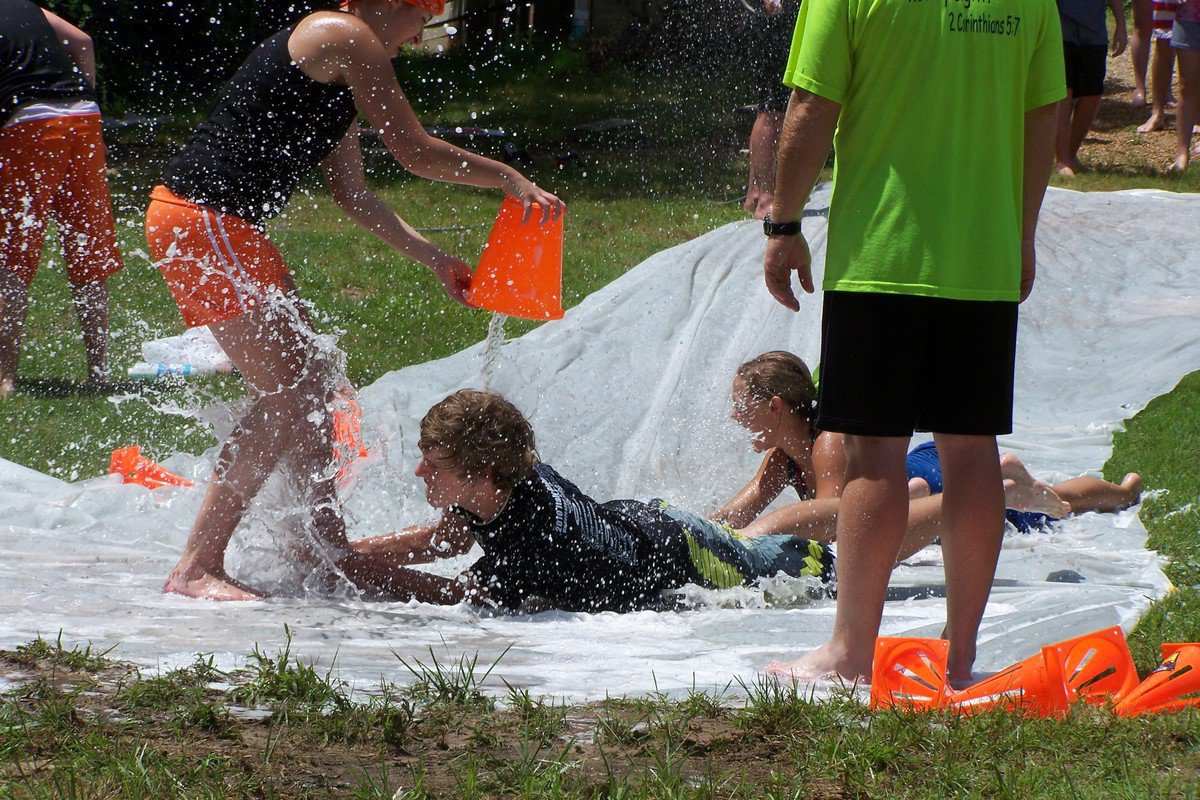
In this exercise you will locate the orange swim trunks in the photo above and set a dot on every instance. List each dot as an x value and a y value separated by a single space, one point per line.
55 169
218 266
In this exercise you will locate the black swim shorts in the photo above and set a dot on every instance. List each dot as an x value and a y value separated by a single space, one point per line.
1086 65
893 364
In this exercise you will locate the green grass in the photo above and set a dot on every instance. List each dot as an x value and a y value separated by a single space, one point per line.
73 734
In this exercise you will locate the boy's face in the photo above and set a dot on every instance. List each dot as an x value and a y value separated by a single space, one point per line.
444 485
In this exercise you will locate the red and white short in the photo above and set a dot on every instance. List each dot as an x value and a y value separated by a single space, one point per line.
218 266
55 169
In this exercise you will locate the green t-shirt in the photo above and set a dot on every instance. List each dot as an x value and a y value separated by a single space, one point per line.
927 185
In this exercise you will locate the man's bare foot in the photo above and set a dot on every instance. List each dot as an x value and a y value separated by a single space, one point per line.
1178 165
1139 98
207 586
1155 123
822 664
1069 169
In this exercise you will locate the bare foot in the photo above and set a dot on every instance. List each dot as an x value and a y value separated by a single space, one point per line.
1132 484
1155 123
821 664
1023 492
209 587
1067 170
1139 98
1178 165
918 488
1037 497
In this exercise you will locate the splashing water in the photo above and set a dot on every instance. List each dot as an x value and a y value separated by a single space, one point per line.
491 348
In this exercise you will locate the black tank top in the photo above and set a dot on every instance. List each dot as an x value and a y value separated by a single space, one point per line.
271 125
33 64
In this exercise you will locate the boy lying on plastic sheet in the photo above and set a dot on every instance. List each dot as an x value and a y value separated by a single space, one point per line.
545 540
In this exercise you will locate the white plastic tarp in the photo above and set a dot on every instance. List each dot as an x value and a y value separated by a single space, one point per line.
629 396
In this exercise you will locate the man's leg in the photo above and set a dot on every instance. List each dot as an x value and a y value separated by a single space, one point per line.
14 303
872 523
1139 47
89 239
1162 68
1082 119
1188 111
91 307
272 349
972 530
1067 165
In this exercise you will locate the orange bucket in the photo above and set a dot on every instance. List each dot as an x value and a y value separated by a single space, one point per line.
1173 686
909 672
133 467
520 271
1096 667
348 445
1028 687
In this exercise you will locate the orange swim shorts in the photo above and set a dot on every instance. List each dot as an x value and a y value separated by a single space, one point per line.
55 169
218 266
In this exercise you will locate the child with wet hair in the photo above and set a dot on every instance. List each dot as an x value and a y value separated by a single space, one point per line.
774 397
544 541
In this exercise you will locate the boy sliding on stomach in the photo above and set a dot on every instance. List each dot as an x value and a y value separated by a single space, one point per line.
544 538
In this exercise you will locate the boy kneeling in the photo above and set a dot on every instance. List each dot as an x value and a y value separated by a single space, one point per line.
543 538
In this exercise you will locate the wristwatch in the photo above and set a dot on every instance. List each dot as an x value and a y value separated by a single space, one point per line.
780 228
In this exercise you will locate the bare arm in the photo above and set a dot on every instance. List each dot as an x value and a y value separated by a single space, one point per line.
77 44
1041 124
403 584
1120 34
420 544
347 182
759 493
803 148
812 519
337 48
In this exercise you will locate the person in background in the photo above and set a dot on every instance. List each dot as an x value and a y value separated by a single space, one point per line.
771 23
1185 39
52 166
1085 50
1162 66
1140 45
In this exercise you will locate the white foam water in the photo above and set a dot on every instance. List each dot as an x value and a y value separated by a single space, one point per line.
629 395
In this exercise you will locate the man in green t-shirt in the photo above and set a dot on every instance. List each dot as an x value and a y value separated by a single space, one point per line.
944 112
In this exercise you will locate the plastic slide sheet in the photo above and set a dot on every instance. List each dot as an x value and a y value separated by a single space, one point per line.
629 395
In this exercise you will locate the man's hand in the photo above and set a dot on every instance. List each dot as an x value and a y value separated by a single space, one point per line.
1028 268
1120 41
785 254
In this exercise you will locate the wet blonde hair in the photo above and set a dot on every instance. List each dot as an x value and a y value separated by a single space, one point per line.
781 374
481 431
